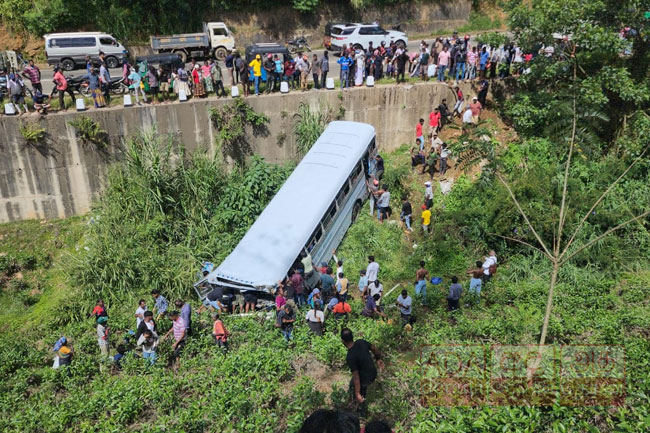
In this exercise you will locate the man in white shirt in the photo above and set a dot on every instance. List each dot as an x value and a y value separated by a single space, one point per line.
404 303
444 154
376 288
139 313
467 118
372 271
490 261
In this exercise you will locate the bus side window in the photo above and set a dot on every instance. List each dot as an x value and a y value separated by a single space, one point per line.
315 237
340 197
355 173
329 215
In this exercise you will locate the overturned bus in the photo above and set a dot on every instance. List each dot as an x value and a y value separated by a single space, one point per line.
309 215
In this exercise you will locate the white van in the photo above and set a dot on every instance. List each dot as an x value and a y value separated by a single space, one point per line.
69 50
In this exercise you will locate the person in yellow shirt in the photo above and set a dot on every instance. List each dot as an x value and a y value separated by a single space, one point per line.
256 64
342 286
426 218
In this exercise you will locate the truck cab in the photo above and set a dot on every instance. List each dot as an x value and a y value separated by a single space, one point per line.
221 39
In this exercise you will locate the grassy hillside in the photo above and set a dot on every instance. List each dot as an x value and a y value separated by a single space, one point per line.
263 385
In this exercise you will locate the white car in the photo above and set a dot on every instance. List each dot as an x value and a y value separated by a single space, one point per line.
359 36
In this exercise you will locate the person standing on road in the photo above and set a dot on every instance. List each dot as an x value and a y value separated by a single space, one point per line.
230 67
472 57
361 365
105 80
269 69
289 69
443 62
256 64
345 62
304 68
152 79
135 86
34 74
316 71
217 79
324 68
62 87
401 60
198 88
163 82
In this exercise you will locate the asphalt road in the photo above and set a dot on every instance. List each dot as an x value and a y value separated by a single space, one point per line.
47 71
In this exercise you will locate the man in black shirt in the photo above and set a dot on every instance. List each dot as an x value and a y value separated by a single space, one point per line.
361 365
400 64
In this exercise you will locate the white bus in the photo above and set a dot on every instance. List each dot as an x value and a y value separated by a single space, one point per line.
310 213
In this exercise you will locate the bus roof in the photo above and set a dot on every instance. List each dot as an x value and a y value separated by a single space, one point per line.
270 247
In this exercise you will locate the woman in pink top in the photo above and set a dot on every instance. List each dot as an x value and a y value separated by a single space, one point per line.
472 57
62 87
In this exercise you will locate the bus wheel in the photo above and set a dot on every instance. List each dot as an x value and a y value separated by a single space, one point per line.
355 211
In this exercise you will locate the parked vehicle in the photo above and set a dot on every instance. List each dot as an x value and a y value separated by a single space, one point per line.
215 41
79 84
337 166
299 44
266 48
12 60
327 39
167 61
359 36
69 50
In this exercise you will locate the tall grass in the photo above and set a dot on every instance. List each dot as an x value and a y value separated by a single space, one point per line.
162 213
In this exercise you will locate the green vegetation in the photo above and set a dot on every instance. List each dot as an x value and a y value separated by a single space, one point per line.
581 122
32 132
90 132
308 125
136 20
231 121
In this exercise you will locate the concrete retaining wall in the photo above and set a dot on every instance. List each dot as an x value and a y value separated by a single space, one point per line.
59 176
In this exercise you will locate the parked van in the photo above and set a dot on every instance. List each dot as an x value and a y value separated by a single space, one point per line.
69 50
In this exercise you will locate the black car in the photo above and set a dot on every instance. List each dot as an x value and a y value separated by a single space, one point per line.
166 60
265 49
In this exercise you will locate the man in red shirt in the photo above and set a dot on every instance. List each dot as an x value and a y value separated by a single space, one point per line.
418 133
476 108
434 120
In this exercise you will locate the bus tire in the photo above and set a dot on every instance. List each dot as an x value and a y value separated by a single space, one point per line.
355 211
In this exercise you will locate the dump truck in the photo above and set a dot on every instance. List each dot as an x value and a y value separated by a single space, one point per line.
216 41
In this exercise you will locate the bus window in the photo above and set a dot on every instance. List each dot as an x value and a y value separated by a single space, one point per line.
355 173
340 198
329 215
315 237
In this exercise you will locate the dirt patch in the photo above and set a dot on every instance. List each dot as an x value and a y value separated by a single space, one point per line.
323 376
30 46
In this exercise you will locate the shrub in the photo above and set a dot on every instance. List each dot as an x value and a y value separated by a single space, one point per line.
32 132
90 132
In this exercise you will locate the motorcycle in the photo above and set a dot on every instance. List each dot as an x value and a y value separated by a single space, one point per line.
299 44
79 85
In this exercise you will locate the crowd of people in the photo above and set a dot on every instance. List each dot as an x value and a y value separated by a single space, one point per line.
452 58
